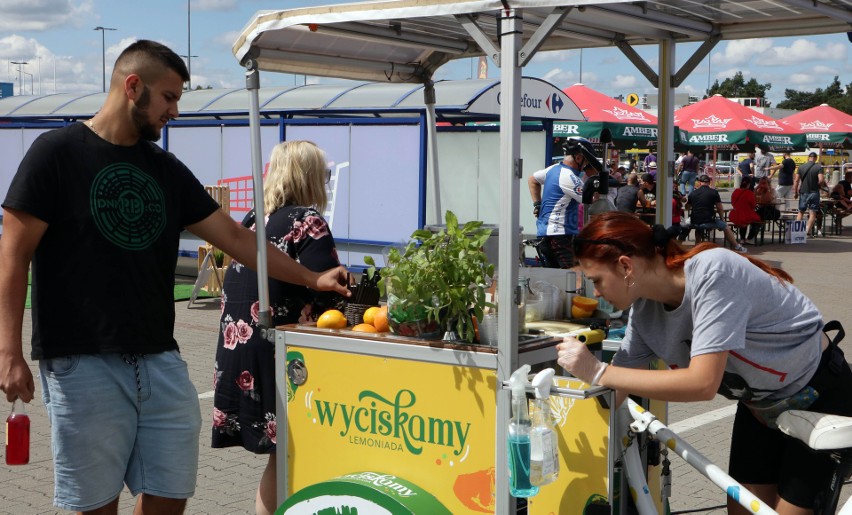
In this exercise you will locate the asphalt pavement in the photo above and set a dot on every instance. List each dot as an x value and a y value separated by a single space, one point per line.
227 478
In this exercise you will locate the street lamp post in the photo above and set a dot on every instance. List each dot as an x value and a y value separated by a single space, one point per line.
32 82
20 75
103 51
189 69
189 55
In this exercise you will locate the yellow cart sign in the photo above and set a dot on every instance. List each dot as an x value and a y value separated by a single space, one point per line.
430 423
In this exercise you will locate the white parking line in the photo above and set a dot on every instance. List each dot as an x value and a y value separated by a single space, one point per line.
206 395
704 418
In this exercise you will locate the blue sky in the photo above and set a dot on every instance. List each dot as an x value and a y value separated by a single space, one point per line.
63 52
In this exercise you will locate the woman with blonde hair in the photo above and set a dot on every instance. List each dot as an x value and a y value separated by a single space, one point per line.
294 195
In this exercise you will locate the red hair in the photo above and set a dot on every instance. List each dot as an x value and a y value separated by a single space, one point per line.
615 233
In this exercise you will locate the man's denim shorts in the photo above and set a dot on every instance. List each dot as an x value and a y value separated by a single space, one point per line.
120 418
809 202
717 224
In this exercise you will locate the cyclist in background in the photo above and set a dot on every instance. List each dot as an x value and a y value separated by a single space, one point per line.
724 323
557 192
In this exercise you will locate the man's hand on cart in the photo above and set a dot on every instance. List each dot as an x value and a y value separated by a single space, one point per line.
575 357
333 279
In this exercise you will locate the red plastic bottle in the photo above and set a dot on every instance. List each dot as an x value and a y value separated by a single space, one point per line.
18 436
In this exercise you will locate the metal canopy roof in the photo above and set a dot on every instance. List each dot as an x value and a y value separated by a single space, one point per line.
454 97
417 37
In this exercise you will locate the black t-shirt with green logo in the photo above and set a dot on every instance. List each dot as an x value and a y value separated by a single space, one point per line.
103 273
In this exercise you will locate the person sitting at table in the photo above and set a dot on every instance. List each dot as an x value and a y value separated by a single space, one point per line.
707 213
764 197
847 184
647 191
679 228
628 195
744 215
647 198
842 203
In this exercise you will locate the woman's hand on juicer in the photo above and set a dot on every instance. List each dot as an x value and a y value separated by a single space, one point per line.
574 356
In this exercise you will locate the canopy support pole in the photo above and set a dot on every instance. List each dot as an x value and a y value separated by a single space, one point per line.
252 86
432 148
511 39
665 133
264 318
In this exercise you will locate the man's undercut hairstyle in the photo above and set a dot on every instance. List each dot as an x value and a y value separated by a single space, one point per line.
150 60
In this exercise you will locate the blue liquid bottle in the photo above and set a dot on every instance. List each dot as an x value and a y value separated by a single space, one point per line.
519 437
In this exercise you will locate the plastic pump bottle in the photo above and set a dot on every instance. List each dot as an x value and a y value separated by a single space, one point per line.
544 442
519 437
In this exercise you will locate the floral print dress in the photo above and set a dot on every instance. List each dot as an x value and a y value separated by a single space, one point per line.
244 372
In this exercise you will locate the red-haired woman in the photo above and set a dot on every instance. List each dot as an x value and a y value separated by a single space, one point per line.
724 323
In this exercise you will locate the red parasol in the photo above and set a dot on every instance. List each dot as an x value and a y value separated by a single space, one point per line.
823 125
717 123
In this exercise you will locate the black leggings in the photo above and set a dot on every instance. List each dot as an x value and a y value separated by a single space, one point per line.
557 251
760 455
752 231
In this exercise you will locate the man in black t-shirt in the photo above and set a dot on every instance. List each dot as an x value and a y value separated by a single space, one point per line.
746 166
707 212
806 185
688 172
785 177
98 209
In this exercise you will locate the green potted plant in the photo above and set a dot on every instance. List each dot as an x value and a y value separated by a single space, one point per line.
437 278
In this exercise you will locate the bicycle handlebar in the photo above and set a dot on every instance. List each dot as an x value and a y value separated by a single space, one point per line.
646 421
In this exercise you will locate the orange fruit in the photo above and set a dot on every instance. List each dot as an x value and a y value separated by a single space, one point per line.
332 319
380 320
364 328
370 313
585 303
578 312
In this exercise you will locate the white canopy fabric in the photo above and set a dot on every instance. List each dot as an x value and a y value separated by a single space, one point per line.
406 40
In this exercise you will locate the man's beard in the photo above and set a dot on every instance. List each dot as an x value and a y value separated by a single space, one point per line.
146 130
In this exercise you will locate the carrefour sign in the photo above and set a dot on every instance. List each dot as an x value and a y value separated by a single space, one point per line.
536 99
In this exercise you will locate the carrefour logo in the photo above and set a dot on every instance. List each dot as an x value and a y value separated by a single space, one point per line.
391 424
554 103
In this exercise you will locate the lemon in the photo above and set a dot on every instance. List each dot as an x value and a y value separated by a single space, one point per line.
331 319
370 314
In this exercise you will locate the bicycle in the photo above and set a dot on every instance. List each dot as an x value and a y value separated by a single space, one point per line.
821 432
831 434
538 260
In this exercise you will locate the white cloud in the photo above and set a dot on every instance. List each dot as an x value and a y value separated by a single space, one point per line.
800 78
825 71
40 15
625 81
213 5
741 51
556 56
561 78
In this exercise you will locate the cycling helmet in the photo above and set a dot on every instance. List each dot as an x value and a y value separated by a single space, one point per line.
574 145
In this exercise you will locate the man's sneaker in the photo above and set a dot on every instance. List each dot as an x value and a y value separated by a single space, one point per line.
748 242
740 248
819 233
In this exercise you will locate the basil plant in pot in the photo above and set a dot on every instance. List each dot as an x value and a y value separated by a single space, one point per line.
439 278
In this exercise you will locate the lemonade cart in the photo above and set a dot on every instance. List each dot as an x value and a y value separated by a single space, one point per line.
415 404
423 411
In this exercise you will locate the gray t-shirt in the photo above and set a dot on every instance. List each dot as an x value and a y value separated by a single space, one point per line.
772 331
762 164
